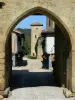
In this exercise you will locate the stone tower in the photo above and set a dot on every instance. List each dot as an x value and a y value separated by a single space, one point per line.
36 29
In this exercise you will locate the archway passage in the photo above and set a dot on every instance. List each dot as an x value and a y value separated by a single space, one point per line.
62 48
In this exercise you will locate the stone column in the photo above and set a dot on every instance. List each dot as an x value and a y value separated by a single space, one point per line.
2 69
72 63
73 71
69 72
5 66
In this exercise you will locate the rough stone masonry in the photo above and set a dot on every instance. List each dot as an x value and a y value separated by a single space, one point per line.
61 11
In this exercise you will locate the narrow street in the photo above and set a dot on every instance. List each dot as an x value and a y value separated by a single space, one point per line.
31 82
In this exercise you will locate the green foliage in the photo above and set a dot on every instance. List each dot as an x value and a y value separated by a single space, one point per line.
27 45
32 57
25 31
27 42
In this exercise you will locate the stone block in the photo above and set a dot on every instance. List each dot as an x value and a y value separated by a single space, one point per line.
69 76
2 84
6 92
73 84
2 46
73 61
69 79
73 94
2 74
73 73
2 55
73 80
2 61
73 88
1 92
1 97
69 63
2 67
67 93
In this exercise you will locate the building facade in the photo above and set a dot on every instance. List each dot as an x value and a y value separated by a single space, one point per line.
17 47
36 29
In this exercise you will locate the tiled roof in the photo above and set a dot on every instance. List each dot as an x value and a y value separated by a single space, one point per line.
36 24
17 31
48 30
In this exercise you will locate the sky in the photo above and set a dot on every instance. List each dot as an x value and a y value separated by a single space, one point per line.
25 23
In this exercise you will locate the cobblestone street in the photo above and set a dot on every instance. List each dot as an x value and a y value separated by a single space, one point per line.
31 82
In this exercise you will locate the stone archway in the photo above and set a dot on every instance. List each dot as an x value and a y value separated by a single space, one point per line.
64 31
62 21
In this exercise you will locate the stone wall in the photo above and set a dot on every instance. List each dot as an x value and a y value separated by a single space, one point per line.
62 50
61 11
8 63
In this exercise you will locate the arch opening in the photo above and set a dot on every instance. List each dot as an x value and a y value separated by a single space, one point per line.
62 46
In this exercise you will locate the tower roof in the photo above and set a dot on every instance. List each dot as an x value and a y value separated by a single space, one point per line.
36 24
48 30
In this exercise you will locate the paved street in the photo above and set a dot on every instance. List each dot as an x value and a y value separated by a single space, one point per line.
31 82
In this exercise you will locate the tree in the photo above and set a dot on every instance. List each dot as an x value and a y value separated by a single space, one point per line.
27 41
27 45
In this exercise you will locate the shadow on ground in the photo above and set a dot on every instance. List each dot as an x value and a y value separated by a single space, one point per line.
22 63
24 78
